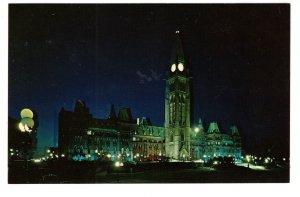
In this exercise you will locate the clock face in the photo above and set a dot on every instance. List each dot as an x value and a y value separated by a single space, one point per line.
173 68
180 66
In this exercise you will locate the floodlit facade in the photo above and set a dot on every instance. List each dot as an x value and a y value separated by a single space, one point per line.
83 137
122 137
177 105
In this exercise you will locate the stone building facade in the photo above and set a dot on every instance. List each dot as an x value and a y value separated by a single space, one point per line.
83 137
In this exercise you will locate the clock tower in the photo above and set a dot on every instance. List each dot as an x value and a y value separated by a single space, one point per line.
177 105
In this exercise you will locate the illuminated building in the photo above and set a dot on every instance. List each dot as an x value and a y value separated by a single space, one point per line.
182 142
83 137
177 105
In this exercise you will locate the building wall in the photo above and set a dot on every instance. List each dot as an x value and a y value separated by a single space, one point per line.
222 145
82 137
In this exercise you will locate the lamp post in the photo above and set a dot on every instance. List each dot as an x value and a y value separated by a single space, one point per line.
26 148
248 160
26 126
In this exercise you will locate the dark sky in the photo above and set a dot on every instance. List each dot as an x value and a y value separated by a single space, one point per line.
119 54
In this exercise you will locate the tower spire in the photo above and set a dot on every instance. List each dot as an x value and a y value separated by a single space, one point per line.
177 55
177 105
112 114
178 61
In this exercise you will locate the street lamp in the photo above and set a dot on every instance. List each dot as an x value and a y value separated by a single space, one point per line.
266 160
248 159
26 125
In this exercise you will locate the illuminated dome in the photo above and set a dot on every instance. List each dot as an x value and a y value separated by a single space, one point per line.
26 113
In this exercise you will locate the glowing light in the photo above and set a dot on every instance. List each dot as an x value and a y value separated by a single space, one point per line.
248 158
89 132
283 159
108 155
159 154
133 138
27 121
180 67
127 155
21 127
173 67
26 113
215 163
27 128
48 151
51 154
117 164
199 161
138 155
37 160
177 31
266 160
62 155
11 154
196 129
204 156
11 149
56 156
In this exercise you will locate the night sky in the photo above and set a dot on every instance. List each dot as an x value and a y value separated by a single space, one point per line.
120 54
